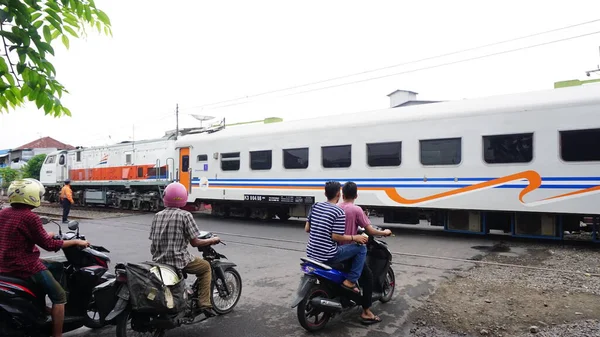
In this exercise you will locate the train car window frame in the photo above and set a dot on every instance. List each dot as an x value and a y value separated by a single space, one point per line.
50 159
370 146
527 160
202 158
431 140
562 149
258 164
231 157
299 160
336 147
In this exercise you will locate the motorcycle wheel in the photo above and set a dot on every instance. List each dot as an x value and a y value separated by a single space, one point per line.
389 286
305 310
92 322
234 284
122 331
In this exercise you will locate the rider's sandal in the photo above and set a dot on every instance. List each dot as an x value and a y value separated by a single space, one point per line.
369 321
353 289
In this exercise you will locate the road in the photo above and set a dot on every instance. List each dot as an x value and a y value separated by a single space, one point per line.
270 272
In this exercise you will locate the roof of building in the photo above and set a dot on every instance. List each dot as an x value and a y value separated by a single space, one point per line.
45 143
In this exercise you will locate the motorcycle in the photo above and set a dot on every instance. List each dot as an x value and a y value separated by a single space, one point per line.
320 290
226 286
23 310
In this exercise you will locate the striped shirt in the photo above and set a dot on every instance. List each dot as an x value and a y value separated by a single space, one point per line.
324 219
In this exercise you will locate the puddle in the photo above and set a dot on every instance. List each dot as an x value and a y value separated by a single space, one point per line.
493 249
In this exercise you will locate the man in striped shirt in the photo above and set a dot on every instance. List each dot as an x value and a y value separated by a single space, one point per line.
326 226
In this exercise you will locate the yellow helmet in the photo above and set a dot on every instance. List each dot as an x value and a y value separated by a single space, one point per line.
26 191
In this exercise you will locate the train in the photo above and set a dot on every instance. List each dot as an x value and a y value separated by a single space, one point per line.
526 164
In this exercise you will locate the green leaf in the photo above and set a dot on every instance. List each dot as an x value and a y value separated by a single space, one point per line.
48 106
53 14
47 34
3 65
52 4
65 41
35 16
88 13
40 100
66 111
25 90
11 36
10 96
71 31
38 24
103 17
55 34
46 47
54 23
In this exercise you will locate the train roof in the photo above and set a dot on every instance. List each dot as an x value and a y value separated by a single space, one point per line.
570 96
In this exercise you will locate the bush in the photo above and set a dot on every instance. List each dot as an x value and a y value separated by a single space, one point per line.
33 167
8 175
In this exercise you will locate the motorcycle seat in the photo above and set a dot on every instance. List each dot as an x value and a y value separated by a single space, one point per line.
341 266
21 283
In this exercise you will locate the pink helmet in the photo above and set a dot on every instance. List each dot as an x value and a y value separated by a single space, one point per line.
175 195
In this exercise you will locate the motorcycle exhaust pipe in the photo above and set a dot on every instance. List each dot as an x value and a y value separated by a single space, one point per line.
326 305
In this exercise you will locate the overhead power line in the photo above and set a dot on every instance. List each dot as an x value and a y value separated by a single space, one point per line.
392 66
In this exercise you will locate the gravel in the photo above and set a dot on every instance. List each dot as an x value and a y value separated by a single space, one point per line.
490 300
572 269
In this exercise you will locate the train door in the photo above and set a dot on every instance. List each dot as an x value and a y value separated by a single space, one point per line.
184 168
62 173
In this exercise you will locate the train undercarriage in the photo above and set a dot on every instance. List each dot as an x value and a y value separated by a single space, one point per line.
137 197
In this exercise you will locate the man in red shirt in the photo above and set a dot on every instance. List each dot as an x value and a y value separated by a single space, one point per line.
20 231
356 217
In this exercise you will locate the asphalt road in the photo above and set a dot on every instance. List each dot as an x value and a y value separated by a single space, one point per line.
269 266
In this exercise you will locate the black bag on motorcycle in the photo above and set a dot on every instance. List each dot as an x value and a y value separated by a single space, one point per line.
148 292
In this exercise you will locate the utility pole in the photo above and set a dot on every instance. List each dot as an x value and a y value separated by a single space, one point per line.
176 121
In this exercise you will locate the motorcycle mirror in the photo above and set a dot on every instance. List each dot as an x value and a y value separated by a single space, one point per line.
45 220
73 225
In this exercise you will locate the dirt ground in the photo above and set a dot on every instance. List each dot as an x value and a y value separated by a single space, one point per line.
501 301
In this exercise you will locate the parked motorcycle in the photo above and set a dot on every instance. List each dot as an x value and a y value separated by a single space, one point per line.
226 286
320 290
23 304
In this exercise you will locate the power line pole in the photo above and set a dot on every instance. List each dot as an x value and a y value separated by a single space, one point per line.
176 121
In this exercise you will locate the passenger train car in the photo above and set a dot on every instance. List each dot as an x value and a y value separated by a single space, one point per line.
128 175
523 163
527 164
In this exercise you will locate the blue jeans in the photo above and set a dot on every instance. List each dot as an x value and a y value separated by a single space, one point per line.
358 254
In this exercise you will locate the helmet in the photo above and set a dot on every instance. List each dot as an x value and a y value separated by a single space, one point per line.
175 195
67 181
26 191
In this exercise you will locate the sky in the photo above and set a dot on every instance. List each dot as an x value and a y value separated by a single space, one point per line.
196 53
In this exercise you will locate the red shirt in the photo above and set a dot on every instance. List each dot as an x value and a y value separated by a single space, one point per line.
355 217
20 231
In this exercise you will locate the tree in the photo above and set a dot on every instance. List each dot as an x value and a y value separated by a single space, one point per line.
33 167
8 175
25 72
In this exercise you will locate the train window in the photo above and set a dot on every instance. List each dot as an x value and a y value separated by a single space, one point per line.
140 172
441 151
50 159
128 159
261 160
384 154
580 145
336 156
185 163
230 161
510 148
295 158
61 159
202 157
78 155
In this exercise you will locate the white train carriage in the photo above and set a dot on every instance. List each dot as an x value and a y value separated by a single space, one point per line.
129 175
525 163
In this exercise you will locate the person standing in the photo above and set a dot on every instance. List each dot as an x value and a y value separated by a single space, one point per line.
66 199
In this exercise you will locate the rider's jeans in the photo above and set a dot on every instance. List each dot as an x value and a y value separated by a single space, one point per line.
358 254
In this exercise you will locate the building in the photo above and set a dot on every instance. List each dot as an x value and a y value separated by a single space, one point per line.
18 157
4 158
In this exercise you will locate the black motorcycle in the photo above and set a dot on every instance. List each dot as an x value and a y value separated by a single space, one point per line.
320 290
226 286
23 310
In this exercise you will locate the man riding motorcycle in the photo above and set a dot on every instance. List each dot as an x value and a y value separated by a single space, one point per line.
356 217
172 230
20 231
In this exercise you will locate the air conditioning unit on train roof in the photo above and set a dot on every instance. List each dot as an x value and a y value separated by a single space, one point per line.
402 98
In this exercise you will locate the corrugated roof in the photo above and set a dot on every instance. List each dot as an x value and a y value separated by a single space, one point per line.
46 143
